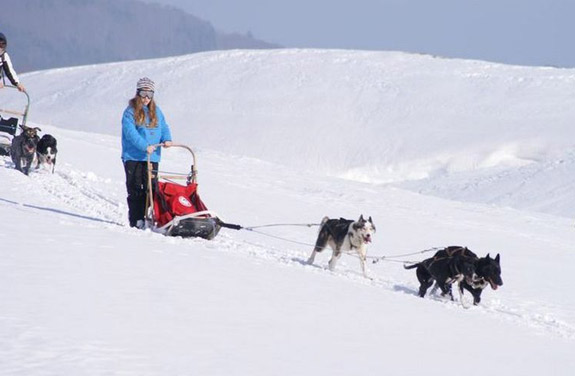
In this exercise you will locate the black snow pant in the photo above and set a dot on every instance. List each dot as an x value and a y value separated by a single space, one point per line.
137 187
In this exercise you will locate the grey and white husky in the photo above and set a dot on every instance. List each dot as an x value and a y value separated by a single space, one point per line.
344 235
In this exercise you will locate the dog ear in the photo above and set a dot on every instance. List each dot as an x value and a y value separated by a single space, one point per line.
23 127
487 257
361 218
497 258
370 220
38 129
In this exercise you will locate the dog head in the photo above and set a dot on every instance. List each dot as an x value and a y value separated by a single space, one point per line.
47 149
30 132
364 229
29 139
490 270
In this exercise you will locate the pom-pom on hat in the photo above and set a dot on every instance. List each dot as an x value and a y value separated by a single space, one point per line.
145 84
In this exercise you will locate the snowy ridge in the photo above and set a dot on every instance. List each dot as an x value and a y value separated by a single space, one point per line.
516 187
85 295
376 117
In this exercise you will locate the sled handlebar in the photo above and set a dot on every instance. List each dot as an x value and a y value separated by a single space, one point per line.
12 112
194 169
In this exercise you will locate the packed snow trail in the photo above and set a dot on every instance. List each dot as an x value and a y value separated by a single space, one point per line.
89 197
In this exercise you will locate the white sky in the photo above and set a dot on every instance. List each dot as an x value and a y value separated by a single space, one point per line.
526 32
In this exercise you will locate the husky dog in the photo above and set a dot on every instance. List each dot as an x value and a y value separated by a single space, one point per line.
23 148
47 150
344 235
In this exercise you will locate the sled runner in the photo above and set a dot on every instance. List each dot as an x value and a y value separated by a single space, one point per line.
175 209
9 124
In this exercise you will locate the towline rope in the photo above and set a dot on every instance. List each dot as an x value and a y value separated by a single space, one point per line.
253 229
390 257
376 259
279 237
282 224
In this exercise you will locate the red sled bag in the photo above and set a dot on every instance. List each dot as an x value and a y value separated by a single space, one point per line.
174 200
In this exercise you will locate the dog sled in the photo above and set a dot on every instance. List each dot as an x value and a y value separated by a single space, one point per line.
9 122
175 208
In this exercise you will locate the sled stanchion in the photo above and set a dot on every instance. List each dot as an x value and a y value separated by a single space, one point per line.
150 195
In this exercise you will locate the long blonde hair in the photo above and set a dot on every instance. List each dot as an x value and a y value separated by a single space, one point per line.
140 115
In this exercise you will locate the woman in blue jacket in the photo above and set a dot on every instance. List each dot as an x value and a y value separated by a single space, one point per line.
143 125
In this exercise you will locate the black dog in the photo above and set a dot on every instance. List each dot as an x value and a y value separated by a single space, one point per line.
488 272
444 270
459 264
23 148
47 150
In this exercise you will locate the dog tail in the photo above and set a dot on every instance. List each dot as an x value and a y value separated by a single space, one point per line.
412 266
323 221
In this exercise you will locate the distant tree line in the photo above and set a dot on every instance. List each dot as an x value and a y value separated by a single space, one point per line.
46 34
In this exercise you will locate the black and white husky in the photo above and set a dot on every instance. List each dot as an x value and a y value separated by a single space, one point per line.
344 235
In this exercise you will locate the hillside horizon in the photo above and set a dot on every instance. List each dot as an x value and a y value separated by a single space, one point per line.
533 32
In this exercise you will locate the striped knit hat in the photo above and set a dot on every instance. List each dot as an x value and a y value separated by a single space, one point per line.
145 84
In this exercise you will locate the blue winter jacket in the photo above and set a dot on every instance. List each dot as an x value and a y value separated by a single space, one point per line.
136 138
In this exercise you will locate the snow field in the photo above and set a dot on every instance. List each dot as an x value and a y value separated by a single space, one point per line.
85 295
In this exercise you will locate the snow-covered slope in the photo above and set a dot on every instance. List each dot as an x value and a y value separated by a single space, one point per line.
375 117
275 133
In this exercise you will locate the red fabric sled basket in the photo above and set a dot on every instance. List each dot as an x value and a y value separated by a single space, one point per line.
174 200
